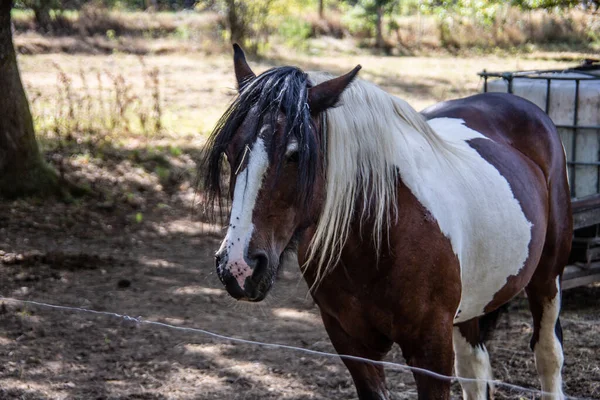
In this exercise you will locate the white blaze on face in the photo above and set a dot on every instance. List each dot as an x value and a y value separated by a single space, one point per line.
239 233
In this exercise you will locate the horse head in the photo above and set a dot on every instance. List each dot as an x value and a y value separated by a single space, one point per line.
271 137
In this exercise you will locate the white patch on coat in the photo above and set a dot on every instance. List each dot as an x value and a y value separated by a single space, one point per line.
548 350
248 183
472 362
474 207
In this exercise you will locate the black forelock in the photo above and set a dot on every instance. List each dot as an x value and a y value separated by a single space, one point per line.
282 89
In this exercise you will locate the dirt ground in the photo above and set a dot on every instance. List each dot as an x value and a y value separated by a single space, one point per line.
161 269
136 246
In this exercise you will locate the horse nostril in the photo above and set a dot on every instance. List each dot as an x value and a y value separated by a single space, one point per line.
259 263
220 257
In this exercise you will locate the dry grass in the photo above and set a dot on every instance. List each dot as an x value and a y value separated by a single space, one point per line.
98 30
164 106
195 89
511 29
330 25
515 28
94 105
94 20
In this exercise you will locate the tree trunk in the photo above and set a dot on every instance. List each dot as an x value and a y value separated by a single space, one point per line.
236 24
151 5
321 5
379 42
22 169
41 11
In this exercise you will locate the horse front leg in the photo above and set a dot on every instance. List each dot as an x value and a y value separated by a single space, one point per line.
472 360
369 379
429 347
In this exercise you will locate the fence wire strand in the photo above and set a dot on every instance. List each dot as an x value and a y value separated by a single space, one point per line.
386 364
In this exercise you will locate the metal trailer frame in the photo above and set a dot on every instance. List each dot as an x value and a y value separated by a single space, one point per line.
584 266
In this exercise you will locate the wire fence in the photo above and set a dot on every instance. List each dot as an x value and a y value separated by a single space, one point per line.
390 365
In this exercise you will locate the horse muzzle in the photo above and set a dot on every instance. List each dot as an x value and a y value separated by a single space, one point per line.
247 279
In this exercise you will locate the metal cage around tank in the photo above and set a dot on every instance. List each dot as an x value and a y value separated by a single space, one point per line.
571 97
580 77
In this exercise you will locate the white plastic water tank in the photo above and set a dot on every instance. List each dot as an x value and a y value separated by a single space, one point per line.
581 145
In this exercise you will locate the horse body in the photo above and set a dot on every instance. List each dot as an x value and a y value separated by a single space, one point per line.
414 229
535 173
499 217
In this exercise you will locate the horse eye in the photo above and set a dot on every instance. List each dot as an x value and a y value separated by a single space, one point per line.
293 157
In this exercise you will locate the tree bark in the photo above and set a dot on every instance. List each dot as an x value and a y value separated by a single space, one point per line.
22 168
236 23
41 11
379 42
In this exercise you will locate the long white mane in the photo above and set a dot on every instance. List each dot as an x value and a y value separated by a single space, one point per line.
362 136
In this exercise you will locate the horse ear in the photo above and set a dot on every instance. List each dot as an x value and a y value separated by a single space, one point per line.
326 94
243 73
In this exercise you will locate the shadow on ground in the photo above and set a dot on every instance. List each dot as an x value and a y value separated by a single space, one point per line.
133 247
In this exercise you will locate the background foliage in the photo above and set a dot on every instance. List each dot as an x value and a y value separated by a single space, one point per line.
392 25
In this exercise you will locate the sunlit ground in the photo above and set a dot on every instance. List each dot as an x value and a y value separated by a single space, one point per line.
196 89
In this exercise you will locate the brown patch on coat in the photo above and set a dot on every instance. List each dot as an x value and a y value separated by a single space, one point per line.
470 331
408 295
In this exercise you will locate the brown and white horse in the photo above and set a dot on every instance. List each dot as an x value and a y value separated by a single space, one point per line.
409 227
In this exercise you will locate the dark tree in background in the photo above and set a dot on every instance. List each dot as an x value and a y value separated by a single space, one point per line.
379 5
22 168
373 13
235 20
41 10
